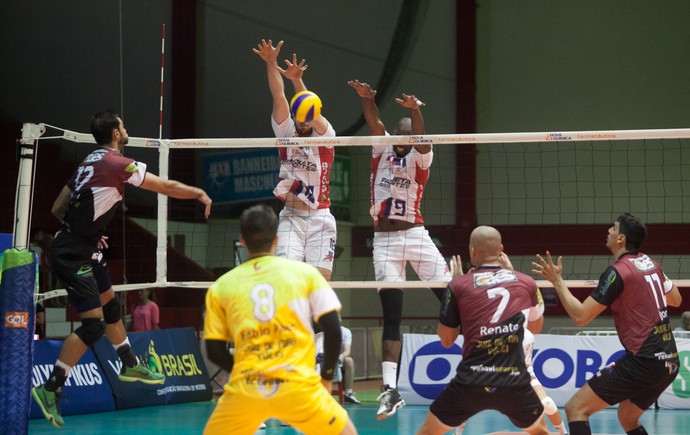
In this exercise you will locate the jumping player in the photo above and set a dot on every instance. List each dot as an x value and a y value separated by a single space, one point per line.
398 176
307 229
85 207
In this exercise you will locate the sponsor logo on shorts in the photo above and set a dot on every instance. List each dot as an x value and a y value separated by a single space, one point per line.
16 319
84 271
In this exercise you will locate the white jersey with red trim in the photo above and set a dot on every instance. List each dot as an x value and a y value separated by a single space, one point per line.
397 183
304 171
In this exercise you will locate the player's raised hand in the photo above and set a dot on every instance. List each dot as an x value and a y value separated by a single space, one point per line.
363 89
410 102
551 271
267 51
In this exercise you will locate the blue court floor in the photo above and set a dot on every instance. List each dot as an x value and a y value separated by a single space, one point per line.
189 418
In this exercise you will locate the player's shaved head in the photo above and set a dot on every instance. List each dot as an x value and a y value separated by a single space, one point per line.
485 244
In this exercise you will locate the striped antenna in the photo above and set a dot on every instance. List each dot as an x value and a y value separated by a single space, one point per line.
160 121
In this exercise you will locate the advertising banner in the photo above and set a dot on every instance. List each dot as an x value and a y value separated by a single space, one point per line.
251 175
16 337
172 352
563 364
86 390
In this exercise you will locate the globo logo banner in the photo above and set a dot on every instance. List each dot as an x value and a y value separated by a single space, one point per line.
563 364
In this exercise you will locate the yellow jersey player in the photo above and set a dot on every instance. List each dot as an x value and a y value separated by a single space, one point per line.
266 307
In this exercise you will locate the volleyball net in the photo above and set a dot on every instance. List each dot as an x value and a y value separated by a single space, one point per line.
569 183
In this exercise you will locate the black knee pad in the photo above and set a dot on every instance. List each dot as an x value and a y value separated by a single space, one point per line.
392 305
111 311
91 330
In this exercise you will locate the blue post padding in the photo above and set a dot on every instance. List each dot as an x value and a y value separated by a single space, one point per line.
16 339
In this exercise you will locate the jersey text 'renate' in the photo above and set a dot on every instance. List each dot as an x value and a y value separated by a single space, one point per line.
492 306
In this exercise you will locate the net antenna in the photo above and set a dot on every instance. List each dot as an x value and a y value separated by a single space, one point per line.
163 160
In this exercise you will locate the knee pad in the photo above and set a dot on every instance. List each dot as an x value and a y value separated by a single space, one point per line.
392 304
111 311
549 405
90 330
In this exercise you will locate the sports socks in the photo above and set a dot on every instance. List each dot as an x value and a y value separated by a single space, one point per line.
579 428
58 376
638 431
390 373
126 354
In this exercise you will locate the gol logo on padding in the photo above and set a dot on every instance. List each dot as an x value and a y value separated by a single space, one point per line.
16 319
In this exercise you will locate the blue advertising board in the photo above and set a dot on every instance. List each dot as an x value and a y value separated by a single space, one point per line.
172 352
238 176
251 175
86 390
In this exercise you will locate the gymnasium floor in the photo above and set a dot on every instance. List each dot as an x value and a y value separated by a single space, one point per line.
189 418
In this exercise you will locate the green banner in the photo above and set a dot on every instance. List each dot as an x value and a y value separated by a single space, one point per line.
340 181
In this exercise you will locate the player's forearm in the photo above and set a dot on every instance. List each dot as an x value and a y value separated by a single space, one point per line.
178 190
298 85
371 115
275 81
571 304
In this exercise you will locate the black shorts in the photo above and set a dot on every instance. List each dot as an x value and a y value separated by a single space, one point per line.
642 380
82 270
457 403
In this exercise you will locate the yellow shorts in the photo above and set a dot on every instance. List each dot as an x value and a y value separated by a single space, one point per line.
309 408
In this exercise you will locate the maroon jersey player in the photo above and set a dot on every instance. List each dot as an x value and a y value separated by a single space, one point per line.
638 293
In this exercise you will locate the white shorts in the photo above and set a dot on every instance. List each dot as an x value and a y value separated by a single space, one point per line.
393 249
307 235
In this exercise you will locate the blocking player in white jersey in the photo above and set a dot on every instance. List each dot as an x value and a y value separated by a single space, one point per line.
307 228
398 176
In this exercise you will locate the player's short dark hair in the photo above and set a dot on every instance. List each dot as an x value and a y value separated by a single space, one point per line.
258 226
633 229
102 126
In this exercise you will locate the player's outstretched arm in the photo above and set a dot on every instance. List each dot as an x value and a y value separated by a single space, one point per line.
266 51
581 312
414 104
294 71
371 111
178 190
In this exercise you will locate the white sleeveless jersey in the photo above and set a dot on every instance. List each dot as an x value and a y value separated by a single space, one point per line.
304 171
397 183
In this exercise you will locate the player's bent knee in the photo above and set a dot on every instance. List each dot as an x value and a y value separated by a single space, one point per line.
90 330
549 405
111 312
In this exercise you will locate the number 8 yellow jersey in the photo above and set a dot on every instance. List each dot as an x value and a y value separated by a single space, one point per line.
266 306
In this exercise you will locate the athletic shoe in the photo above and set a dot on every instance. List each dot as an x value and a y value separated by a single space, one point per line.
48 402
390 402
350 398
140 373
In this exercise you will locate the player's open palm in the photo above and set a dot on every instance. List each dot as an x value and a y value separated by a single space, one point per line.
267 51
363 89
294 70
547 268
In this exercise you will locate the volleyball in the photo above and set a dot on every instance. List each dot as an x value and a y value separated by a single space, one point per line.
305 106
